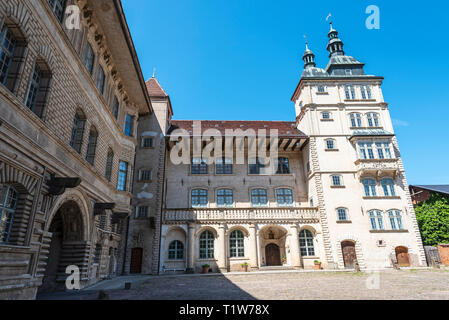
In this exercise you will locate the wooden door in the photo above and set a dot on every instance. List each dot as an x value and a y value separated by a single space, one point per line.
402 257
273 255
349 254
136 260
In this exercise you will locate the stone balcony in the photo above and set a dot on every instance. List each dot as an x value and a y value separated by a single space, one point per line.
243 215
377 167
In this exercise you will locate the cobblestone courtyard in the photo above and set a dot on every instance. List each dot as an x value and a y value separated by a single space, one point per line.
403 284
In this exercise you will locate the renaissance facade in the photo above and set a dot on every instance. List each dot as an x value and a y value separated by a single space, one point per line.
338 193
70 96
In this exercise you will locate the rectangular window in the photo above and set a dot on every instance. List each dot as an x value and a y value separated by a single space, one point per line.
366 150
7 49
223 166
284 197
122 176
129 125
342 214
336 181
225 198
199 198
115 107
33 90
97 254
321 89
256 166
199 166
145 175
100 80
89 58
366 92
283 166
259 197
58 7
330 144
350 92
142 212
325 115
383 150
147 142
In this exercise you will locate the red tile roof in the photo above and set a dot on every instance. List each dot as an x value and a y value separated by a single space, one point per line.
155 89
285 129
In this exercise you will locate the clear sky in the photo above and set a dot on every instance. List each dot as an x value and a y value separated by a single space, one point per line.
241 60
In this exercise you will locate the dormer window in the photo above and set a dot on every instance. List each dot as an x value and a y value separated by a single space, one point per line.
348 72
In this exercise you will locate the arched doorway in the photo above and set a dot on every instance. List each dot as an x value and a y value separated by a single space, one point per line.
272 246
66 243
402 257
273 255
349 254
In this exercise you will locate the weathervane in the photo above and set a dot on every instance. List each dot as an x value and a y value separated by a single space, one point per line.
154 72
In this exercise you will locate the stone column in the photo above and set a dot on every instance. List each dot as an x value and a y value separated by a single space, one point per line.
253 262
222 249
294 247
191 251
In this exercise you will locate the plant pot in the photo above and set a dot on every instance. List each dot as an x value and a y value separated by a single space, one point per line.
245 268
206 270
318 266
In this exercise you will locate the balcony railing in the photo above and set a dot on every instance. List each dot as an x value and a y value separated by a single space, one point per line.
301 215
377 166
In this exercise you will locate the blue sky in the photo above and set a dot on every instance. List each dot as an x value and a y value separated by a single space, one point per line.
241 60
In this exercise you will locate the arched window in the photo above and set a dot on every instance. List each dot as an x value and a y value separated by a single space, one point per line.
92 146
8 203
373 119
388 187
12 50
199 198
259 197
370 187
109 164
395 217
176 250
237 244
38 88
342 214
356 120
283 166
306 243
207 245
79 123
225 198
284 197
376 219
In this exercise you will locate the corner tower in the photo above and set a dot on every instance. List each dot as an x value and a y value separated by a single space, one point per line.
355 174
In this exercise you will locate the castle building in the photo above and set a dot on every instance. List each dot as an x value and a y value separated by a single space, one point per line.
337 193
71 92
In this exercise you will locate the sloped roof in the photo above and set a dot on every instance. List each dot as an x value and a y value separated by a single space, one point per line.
155 89
436 188
285 129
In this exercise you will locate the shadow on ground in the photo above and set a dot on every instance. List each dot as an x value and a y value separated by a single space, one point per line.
185 287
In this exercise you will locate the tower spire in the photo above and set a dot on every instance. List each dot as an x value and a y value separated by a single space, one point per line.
335 45
308 57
